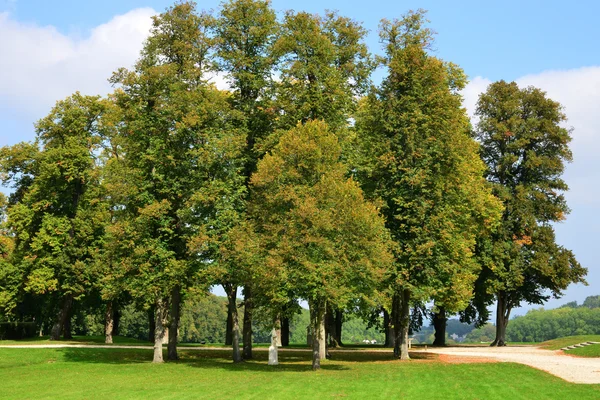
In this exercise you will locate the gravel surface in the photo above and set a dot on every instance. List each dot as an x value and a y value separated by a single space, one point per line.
571 369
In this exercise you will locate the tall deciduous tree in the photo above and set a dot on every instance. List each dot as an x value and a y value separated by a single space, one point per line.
525 147
322 240
419 159
325 65
245 32
56 214
181 161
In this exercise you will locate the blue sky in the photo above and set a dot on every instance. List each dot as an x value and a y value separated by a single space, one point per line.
49 49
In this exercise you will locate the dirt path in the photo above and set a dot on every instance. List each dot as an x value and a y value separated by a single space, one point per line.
572 369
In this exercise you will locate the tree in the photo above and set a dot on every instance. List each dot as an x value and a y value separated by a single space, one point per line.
245 33
321 239
417 156
56 213
524 148
325 66
181 162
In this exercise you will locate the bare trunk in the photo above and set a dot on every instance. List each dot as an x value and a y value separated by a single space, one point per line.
151 323
116 319
161 313
247 328
229 327
439 323
388 326
235 328
109 323
174 323
317 323
64 315
285 331
273 356
401 317
502 316
331 333
339 318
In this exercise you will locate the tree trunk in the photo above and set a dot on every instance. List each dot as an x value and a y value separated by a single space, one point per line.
285 331
109 323
502 316
235 328
116 319
401 317
317 323
229 328
388 326
151 323
247 328
67 334
439 323
174 323
63 316
339 319
330 333
161 313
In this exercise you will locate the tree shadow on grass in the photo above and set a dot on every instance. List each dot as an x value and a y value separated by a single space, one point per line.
217 359
297 361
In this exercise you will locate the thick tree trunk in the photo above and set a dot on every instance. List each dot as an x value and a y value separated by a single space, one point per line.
116 319
62 324
401 317
67 331
285 331
388 326
229 327
339 319
439 323
151 323
502 316
109 323
235 328
317 323
174 323
247 328
330 332
161 314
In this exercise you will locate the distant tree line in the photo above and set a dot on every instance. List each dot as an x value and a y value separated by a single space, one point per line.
302 181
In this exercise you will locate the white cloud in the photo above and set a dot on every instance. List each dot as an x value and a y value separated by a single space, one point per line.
41 65
578 90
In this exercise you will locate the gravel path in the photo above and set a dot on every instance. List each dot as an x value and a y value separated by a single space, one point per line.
571 369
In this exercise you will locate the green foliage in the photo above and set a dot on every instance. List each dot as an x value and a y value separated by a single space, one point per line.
322 241
483 334
182 159
56 215
417 156
325 66
17 330
540 325
525 147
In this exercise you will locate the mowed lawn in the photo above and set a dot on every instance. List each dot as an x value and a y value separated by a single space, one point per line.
588 351
76 373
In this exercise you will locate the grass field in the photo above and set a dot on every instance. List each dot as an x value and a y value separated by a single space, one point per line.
559 343
74 373
589 351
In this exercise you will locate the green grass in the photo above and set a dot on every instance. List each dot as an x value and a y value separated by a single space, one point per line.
74 373
588 351
559 343
77 340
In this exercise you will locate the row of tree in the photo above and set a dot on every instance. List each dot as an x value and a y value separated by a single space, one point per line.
303 180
